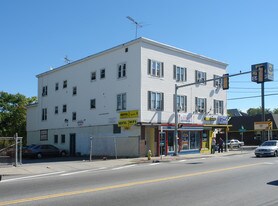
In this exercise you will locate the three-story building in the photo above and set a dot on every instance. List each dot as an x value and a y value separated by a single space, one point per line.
122 100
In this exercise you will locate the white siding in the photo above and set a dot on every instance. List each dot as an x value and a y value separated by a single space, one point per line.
99 122
167 83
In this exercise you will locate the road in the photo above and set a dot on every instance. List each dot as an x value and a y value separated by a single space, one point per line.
227 180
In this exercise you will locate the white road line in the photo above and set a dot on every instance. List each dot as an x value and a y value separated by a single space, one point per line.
82 171
31 177
182 160
73 173
123 167
153 164
268 163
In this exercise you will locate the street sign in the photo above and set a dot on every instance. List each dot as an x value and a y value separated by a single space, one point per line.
242 130
263 72
262 125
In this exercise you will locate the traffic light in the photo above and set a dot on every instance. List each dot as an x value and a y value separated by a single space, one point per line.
225 82
260 74
269 125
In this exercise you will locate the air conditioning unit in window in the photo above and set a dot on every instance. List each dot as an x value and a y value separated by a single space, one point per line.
200 109
201 80
218 85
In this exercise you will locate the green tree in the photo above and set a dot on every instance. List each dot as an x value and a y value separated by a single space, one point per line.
255 111
13 114
275 111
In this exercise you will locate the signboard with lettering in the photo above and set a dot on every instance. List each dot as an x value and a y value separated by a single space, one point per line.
222 120
129 114
209 118
263 125
268 74
127 123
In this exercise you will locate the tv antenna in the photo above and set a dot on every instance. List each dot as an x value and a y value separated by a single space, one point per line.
66 59
137 25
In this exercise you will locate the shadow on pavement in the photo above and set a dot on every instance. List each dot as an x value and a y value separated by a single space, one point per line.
274 183
53 159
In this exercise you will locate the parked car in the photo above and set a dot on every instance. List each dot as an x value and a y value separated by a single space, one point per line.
234 143
45 150
268 148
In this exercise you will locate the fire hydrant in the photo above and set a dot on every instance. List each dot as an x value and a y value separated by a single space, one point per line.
149 154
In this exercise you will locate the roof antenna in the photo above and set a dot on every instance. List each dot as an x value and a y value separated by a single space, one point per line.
67 61
137 25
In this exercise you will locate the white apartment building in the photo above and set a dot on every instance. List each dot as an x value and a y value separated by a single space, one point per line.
122 98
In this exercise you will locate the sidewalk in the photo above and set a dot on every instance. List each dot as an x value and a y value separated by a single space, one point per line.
67 166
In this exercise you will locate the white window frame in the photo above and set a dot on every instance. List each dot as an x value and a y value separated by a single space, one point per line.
122 70
102 73
218 106
44 114
155 101
217 82
93 76
56 138
155 68
63 138
65 84
73 118
64 108
181 103
56 110
92 103
200 105
201 77
74 91
56 86
180 73
121 101
44 91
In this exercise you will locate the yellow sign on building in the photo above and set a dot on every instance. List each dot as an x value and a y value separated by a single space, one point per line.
127 123
129 114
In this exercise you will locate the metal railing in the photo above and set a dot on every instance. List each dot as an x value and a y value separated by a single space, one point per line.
11 151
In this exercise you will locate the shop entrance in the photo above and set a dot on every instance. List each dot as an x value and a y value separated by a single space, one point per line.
187 141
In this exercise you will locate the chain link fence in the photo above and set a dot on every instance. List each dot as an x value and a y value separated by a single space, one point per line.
11 150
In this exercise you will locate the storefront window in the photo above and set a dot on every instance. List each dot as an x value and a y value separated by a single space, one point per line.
190 140
185 140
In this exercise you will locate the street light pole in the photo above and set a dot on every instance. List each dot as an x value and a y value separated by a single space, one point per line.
176 121
91 148
263 108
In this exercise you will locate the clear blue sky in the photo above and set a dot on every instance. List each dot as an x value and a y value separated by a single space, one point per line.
36 35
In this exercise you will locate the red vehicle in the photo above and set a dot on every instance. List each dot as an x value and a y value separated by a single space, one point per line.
45 150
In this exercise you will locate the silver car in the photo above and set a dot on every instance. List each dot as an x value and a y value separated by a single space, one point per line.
268 148
235 143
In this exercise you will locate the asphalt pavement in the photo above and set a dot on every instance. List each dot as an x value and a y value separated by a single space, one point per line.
84 164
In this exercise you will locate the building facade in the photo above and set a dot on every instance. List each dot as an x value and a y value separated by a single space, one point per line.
122 101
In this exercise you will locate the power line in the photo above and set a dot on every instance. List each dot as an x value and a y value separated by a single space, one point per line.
274 94
248 92
251 88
